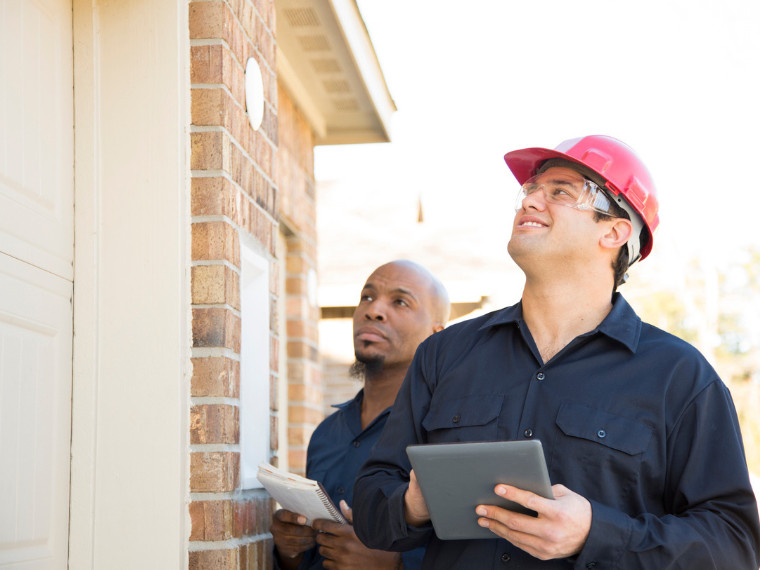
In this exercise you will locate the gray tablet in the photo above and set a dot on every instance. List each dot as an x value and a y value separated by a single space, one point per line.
456 477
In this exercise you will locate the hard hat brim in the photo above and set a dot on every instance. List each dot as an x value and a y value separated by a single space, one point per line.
525 162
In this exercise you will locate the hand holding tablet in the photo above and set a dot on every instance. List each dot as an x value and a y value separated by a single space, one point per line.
457 477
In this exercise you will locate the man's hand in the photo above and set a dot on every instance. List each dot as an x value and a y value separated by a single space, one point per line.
291 537
342 549
560 530
415 510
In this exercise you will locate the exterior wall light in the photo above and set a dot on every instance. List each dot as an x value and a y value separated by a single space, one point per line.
254 93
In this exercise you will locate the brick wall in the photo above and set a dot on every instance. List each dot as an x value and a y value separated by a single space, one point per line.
245 185
337 352
339 385
295 172
234 193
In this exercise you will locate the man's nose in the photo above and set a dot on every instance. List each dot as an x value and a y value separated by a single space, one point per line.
536 199
375 311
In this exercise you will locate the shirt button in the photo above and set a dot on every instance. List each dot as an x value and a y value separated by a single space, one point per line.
528 433
357 443
601 433
455 419
505 558
540 376
340 490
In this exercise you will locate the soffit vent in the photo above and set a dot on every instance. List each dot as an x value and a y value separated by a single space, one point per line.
314 43
346 104
337 86
302 17
326 65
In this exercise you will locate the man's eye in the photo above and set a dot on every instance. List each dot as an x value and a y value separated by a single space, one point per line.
402 302
366 298
562 193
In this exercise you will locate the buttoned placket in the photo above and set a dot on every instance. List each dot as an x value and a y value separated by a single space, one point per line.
539 378
532 398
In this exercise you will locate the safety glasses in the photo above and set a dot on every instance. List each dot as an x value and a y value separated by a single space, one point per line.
580 194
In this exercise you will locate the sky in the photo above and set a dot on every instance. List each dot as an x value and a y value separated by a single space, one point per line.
676 80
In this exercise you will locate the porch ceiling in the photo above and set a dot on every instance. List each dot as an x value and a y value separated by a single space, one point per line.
326 61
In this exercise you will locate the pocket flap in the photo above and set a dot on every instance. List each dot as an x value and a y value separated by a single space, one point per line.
463 412
623 434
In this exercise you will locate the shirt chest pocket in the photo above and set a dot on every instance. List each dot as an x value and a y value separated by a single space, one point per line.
604 448
467 418
615 432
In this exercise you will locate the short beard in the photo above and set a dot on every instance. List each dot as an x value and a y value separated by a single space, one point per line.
363 369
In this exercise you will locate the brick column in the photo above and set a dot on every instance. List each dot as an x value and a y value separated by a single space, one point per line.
233 196
304 371
295 177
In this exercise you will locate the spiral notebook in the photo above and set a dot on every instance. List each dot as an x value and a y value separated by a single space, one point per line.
299 494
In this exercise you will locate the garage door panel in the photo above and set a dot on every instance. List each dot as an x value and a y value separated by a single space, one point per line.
36 141
35 406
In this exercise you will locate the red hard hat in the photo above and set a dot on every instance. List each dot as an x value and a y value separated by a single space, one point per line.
613 160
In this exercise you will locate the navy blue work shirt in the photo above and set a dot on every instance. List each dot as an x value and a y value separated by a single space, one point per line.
630 417
337 449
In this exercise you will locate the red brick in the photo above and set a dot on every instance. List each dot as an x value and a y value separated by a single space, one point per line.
208 107
216 327
297 461
206 20
274 442
303 392
303 415
274 390
207 64
274 353
216 376
209 150
211 520
215 285
217 196
214 560
214 65
214 423
215 241
214 471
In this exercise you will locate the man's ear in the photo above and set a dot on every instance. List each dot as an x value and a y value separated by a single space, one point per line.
618 233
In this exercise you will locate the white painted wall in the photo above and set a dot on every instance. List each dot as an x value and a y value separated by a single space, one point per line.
129 488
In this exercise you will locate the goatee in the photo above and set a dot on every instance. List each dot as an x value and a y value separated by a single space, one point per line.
361 369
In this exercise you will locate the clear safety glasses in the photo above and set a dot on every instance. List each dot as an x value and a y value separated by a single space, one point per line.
558 189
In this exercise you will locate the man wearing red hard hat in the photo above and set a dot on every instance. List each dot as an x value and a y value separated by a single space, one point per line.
640 435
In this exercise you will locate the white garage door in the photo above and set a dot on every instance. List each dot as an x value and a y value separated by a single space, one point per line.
36 273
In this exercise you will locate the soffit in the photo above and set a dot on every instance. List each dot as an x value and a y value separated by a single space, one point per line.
326 61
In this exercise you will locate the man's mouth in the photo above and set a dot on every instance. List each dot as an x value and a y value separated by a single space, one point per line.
370 335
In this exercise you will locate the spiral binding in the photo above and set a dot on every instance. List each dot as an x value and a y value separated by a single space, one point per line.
329 505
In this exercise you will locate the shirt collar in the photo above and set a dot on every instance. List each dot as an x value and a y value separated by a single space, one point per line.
621 324
506 315
353 412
